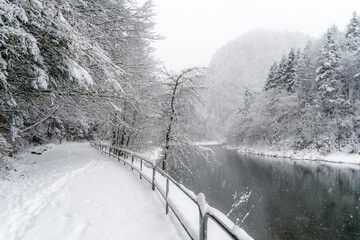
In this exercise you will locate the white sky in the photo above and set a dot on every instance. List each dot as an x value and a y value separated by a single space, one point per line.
195 29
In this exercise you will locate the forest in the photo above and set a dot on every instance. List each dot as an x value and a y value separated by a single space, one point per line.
73 70
310 99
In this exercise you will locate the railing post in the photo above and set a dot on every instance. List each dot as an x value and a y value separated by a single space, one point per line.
109 150
204 228
140 168
167 194
201 222
201 202
132 162
153 179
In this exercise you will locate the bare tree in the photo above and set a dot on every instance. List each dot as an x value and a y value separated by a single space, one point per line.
179 113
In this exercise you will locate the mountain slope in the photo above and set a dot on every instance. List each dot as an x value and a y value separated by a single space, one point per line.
241 63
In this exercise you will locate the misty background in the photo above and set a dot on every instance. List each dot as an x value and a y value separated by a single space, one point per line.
194 30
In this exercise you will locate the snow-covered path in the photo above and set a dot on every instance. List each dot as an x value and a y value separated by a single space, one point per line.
72 191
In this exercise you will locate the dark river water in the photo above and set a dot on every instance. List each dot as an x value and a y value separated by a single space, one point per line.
281 198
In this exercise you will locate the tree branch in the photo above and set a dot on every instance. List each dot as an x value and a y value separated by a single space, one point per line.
41 121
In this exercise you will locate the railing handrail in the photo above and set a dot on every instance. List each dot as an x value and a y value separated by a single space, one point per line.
204 215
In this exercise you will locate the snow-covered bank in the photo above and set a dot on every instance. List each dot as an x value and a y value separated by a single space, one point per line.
335 157
71 191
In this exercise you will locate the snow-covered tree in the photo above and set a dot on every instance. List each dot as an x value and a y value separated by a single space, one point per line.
248 101
306 73
352 33
328 73
178 113
352 58
291 71
281 74
310 100
33 54
272 77
241 63
283 77
66 72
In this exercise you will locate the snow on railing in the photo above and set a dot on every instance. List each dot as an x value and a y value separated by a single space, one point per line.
205 211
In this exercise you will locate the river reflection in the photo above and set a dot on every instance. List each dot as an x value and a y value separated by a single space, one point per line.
287 199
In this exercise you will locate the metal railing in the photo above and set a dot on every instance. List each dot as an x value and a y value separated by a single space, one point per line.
128 158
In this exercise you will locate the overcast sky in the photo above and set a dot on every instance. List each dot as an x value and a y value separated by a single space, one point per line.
195 29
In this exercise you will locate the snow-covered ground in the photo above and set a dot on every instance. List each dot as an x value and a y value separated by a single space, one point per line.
334 157
71 191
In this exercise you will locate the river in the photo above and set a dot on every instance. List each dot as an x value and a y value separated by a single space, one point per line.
281 198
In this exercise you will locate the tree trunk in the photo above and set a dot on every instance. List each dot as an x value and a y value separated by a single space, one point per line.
168 132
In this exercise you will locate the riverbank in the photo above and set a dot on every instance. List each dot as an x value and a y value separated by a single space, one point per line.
307 154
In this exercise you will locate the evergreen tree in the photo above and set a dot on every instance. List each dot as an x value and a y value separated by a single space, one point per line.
298 66
353 33
248 101
272 77
306 74
290 71
281 74
324 110
305 69
352 57
355 98
327 74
